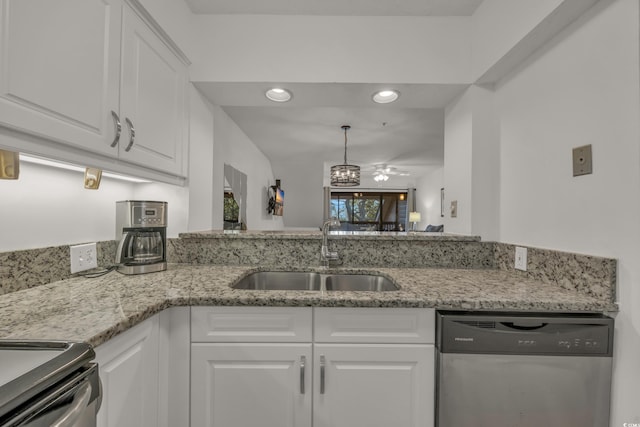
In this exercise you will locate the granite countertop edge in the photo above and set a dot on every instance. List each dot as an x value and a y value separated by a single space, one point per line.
334 235
96 310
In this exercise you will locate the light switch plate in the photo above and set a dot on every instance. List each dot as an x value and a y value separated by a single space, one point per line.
83 257
454 209
582 160
521 258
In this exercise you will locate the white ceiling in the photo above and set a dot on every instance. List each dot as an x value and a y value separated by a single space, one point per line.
337 7
407 135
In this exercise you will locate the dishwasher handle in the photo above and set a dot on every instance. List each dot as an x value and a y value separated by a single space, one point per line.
524 326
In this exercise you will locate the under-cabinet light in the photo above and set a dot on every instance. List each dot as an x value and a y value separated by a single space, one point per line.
76 168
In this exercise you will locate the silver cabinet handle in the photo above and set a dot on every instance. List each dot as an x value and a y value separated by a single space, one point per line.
322 366
132 133
116 121
303 362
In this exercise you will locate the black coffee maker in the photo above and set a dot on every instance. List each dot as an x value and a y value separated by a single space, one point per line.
141 227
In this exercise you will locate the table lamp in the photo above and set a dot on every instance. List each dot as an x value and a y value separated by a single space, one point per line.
414 217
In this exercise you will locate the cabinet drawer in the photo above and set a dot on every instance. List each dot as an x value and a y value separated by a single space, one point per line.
374 325
251 324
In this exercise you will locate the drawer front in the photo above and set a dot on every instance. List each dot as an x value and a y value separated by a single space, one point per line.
251 324
375 325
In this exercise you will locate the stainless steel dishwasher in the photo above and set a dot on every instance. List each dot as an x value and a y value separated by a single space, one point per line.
523 370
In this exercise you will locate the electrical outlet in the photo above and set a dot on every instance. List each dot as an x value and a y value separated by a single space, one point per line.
521 258
83 257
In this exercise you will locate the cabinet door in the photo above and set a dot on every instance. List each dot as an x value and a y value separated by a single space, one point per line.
129 372
60 63
376 385
153 95
267 385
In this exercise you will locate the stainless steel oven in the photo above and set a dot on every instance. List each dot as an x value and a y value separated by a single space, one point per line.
48 384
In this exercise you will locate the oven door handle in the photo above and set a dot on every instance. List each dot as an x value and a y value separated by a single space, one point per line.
80 403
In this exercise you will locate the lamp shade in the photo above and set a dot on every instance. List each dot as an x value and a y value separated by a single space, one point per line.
414 216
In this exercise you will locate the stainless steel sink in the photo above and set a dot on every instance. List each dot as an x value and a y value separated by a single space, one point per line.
310 281
359 282
280 281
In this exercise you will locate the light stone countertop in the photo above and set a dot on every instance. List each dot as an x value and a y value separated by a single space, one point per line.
95 310
334 235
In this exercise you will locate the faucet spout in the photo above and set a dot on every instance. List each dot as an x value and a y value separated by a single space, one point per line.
325 254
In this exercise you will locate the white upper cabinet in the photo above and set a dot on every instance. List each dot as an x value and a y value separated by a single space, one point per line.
60 70
153 95
95 75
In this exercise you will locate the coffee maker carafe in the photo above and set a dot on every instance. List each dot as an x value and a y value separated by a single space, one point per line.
141 227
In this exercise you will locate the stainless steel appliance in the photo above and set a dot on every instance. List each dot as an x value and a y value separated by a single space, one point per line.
523 370
48 384
141 227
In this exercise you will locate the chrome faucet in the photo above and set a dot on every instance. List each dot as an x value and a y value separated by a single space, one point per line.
325 254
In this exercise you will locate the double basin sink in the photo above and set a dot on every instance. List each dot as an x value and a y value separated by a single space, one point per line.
311 281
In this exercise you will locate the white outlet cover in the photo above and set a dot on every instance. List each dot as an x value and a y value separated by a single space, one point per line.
521 258
83 257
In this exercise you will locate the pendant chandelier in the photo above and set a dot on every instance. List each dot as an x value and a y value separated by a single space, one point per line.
345 175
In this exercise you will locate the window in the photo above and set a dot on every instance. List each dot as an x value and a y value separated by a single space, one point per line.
231 212
370 211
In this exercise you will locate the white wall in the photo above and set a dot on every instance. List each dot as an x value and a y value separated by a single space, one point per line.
263 48
177 199
233 147
472 164
485 165
303 192
202 207
175 17
582 88
428 198
50 207
498 25
458 149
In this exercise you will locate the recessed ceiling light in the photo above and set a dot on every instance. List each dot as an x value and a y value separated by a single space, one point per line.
277 94
385 96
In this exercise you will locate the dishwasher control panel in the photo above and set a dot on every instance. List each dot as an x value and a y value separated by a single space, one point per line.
514 333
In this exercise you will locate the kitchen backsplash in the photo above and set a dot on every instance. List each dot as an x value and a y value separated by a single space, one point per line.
586 274
33 267
595 276
283 252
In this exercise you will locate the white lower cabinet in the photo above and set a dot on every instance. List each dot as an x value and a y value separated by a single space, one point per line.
252 384
271 367
384 377
128 366
376 385
145 373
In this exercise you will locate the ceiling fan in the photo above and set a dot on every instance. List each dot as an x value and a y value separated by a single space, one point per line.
382 172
